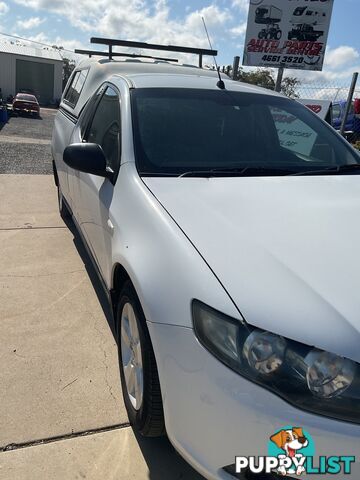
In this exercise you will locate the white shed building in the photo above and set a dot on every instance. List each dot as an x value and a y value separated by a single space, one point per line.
31 70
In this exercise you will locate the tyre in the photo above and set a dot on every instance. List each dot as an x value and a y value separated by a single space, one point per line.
139 376
63 209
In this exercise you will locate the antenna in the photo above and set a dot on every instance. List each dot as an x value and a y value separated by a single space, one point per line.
220 83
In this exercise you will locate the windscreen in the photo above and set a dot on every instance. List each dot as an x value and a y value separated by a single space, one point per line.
24 96
179 130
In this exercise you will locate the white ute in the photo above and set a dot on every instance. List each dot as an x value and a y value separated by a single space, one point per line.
224 225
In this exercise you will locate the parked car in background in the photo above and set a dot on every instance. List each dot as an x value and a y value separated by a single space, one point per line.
26 103
352 126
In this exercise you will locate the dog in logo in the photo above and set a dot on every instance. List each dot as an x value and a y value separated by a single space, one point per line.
290 441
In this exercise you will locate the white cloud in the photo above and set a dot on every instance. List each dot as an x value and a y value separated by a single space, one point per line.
339 65
241 4
239 31
137 19
58 41
29 23
154 21
340 56
4 8
156 26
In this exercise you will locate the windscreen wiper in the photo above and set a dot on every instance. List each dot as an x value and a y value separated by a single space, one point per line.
349 168
236 172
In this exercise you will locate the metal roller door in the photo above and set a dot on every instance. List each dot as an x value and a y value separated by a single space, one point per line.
37 78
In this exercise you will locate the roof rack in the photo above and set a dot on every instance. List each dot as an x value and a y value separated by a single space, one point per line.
151 46
95 53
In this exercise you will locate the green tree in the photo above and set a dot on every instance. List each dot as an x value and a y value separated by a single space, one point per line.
264 77
289 87
68 65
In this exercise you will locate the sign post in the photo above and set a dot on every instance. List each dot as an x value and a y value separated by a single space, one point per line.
235 68
287 34
279 79
348 103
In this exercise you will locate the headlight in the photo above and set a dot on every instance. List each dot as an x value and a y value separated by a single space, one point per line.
311 379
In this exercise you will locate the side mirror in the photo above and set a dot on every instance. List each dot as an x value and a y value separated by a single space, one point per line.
88 158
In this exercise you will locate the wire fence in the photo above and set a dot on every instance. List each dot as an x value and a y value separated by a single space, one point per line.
337 92
333 91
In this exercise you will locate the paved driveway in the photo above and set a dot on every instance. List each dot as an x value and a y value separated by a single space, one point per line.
62 415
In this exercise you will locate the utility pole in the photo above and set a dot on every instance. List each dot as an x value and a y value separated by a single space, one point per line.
279 79
348 103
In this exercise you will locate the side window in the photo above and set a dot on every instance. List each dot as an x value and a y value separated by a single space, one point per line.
88 112
105 127
73 92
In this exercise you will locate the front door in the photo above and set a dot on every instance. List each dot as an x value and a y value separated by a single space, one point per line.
96 193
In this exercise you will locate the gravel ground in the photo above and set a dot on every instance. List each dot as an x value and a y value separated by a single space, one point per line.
19 151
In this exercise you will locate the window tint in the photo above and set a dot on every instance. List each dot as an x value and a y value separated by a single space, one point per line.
73 92
182 130
105 127
89 110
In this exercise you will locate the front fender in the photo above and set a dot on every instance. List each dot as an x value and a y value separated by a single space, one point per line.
164 267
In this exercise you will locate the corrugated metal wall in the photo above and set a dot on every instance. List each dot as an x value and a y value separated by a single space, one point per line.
9 77
36 78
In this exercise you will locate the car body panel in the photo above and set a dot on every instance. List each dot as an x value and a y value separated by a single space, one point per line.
213 414
61 138
292 247
154 251
278 252
102 70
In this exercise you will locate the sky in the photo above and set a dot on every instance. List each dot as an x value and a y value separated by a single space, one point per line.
71 23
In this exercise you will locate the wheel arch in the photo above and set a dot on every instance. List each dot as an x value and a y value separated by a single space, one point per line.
118 279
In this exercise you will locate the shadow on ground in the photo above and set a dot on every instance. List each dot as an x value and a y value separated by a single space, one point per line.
163 461
94 278
160 456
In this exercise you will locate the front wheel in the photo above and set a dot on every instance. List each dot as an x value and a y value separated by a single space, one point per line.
138 370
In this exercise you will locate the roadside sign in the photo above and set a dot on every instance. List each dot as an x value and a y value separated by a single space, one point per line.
320 107
287 33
